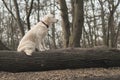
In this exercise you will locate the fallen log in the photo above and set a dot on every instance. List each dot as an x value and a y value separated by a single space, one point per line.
59 59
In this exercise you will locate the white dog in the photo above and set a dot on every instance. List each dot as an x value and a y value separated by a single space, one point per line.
34 38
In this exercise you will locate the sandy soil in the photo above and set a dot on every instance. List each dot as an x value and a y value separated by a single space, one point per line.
76 74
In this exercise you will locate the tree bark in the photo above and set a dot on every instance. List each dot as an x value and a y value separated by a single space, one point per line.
77 23
53 36
117 34
111 26
65 22
59 59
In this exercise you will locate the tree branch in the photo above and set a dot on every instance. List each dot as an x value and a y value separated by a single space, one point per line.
30 9
18 18
9 9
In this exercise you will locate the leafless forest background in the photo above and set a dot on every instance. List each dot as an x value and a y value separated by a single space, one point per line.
82 23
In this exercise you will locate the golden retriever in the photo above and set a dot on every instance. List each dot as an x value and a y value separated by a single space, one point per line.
34 38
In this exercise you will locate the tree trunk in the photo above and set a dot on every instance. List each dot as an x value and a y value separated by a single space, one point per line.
111 26
117 35
65 22
18 18
38 11
95 29
59 59
104 29
28 11
77 23
53 36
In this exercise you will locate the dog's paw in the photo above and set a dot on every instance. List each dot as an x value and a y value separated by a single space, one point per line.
28 52
46 48
42 49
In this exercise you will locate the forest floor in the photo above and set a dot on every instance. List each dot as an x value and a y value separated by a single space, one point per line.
68 74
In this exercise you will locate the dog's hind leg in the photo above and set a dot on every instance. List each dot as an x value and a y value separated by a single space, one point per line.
29 48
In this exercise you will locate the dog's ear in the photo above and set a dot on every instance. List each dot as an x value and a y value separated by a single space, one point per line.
50 15
46 18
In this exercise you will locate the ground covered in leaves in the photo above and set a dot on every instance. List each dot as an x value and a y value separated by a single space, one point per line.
76 74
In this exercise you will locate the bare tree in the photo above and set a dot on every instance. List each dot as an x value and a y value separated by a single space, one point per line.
111 26
65 22
78 22
17 18
104 29
28 12
38 14
19 21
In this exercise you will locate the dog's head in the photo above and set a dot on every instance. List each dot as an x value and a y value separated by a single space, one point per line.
50 18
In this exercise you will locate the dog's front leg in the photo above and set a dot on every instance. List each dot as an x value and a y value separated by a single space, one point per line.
40 47
44 46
